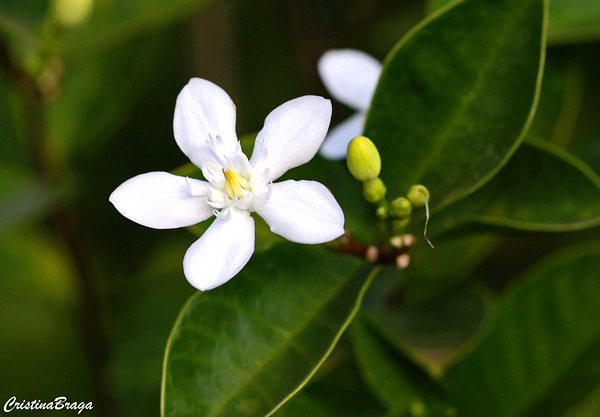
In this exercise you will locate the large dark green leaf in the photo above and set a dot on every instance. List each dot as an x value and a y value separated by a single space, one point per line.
244 348
541 188
456 96
561 97
570 20
574 20
393 378
541 356
435 331
340 392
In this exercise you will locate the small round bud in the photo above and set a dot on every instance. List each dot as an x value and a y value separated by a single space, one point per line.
382 212
72 12
400 207
396 242
372 254
418 195
408 240
363 159
374 190
402 261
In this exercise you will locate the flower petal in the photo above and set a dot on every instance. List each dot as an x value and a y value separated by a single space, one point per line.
221 252
303 212
336 143
292 135
203 109
350 76
161 200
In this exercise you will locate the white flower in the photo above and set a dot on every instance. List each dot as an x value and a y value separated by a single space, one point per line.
350 76
204 127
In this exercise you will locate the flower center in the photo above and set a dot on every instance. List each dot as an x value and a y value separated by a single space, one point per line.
234 183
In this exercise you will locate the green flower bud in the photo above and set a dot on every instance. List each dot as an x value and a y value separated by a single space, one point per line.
363 159
374 190
418 195
382 212
72 12
400 207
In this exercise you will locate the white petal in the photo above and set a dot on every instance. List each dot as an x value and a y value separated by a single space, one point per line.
221 252
161 200
292 135
336 143
350 76
303 212
203 109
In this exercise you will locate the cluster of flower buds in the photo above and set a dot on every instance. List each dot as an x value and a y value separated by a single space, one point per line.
364 163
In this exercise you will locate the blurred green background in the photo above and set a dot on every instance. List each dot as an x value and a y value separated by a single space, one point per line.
88 298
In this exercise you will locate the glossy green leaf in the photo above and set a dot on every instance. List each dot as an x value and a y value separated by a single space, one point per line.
584 142
457 95
434 331
433 271
395 379
570 20
541 356
574 20
561 97
246 347
541 188
341 392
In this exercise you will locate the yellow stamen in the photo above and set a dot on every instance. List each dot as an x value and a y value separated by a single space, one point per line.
234 183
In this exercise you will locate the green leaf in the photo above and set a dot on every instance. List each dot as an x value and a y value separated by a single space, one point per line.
341 392
570 20
433 271
397 381
541 356
561 97
245 348
457 95
435 331
574 21
542 188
